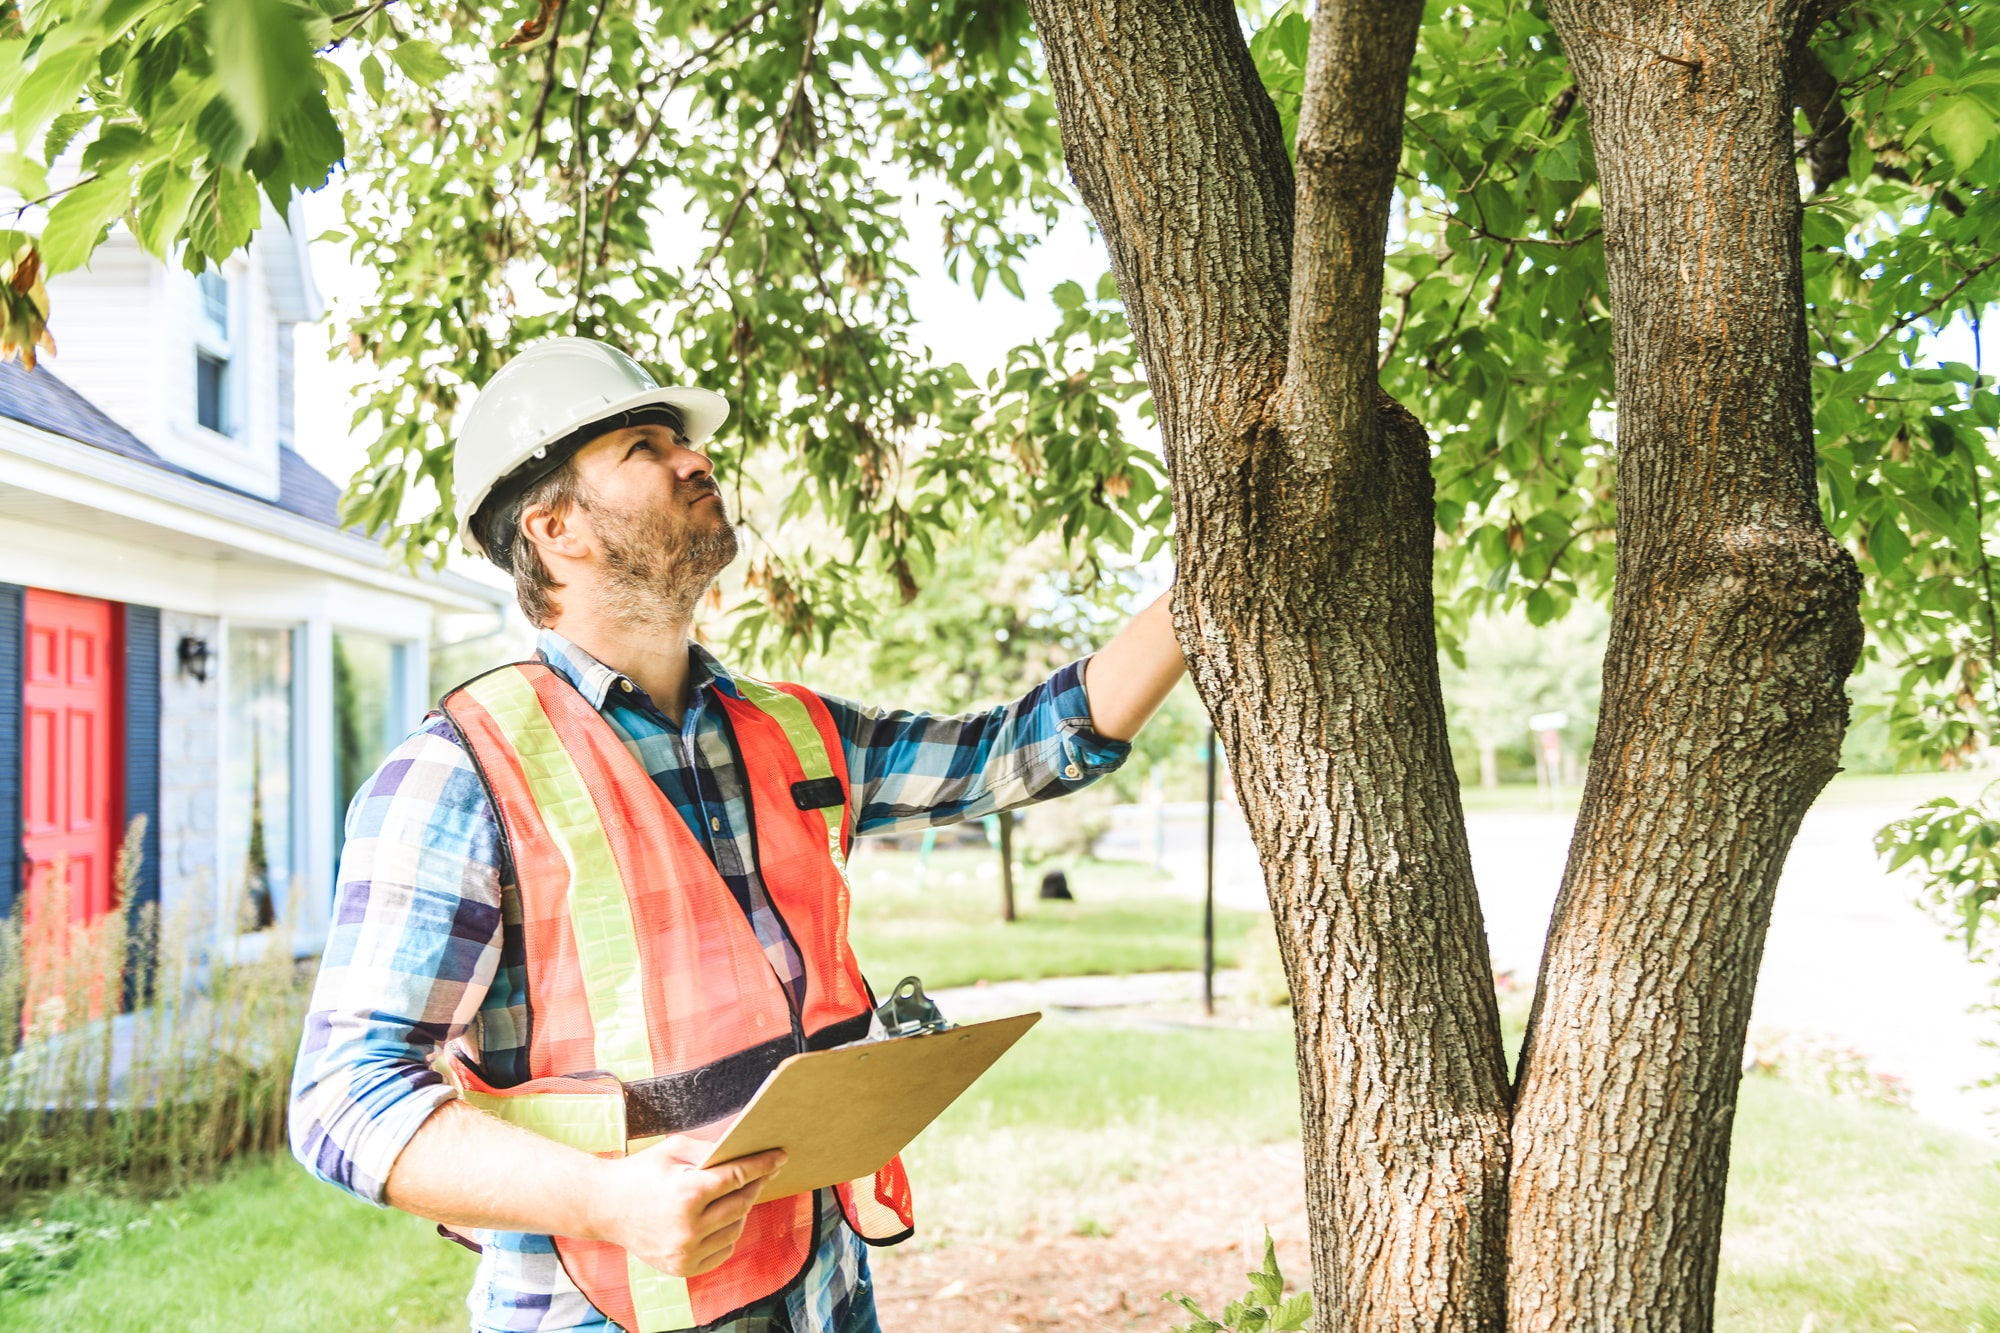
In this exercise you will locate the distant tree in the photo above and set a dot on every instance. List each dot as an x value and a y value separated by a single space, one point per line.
1624 258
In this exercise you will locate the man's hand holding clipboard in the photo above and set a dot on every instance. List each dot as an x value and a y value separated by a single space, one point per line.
841 1114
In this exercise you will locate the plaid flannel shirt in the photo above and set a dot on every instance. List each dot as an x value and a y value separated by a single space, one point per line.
425 944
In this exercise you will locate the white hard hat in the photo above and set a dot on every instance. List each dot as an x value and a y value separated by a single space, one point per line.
545 395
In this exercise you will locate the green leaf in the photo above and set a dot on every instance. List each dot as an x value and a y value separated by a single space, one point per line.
1294 1314
62 131
1887 544
222 216
1541 606
52 85
1962 126
263 59
79 220
372 78
1559 162
421 60
1067 295
22 175
165 191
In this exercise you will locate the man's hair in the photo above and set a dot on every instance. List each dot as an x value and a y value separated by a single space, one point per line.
534 587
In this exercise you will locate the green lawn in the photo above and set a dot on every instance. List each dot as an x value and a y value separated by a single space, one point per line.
1857 1217
948 930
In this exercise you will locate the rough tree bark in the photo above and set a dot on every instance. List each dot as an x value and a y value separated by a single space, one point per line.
1304 506
1734 625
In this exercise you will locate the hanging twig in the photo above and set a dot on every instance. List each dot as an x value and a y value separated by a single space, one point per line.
1555 561
548 80
1403 311
778 147
54 194
580 167
1458 316
674 78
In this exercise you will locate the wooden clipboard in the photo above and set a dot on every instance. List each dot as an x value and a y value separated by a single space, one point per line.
842 1114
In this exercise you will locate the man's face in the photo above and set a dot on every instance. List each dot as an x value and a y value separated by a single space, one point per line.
657 517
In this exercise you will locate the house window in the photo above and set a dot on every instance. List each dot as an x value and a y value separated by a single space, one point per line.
365 718
257 808
213 389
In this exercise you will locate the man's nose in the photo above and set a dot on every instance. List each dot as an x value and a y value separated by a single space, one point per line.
692 464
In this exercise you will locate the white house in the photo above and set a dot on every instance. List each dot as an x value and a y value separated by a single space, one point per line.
185 631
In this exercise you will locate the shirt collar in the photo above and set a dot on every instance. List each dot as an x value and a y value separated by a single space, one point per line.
596 681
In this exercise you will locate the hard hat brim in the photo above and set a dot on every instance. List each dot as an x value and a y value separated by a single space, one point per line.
702 413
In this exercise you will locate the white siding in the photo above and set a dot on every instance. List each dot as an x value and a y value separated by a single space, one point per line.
125 331
111 329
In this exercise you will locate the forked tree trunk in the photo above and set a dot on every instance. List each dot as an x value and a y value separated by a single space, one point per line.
1304 507
1733 627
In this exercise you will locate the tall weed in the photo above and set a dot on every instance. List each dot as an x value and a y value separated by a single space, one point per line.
138 1048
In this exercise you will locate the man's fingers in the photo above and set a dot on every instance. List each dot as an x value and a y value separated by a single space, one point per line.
732 1176
730 1207
717 1250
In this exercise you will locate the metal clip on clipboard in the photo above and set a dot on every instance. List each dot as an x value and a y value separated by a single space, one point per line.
908 1011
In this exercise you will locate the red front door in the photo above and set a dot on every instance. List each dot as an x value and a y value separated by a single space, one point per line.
69 753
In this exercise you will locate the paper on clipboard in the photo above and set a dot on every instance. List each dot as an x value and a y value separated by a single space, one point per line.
842 1114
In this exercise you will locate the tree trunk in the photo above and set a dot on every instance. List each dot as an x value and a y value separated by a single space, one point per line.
1303 601
1734 625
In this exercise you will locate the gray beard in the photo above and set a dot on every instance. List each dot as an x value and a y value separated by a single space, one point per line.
656 566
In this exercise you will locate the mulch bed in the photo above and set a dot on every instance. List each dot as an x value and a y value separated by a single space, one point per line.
1198 1227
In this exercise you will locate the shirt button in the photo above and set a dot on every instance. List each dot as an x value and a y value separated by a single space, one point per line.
625 685
714 824
1072 772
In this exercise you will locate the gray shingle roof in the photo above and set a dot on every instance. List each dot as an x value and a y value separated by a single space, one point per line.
37 398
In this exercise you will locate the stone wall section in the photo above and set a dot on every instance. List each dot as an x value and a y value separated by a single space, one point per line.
190 765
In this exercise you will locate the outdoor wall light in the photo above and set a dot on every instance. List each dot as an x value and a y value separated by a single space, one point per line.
195 655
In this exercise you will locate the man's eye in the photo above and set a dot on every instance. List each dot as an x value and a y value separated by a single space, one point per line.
643 444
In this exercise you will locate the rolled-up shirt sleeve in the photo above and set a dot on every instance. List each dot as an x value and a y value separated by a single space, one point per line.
911 770
412 949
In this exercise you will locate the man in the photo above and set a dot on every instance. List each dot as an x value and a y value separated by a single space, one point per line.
588 903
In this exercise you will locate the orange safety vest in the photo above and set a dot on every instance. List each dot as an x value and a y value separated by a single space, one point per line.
652 1008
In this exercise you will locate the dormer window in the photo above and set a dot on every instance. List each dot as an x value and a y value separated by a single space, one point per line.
212 388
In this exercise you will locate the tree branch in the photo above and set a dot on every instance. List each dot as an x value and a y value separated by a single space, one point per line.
1818 96
1971 276
1350 142
1561 243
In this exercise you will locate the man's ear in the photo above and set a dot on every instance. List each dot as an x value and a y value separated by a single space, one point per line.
555 532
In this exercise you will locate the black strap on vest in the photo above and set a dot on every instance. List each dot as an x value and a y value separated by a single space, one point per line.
675 1103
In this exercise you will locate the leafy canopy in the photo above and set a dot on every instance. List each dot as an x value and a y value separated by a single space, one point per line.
727 189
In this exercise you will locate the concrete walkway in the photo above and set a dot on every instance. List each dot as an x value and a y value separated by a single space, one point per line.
1851 959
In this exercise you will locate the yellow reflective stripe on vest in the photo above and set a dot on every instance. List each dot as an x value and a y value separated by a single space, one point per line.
607 948
593 1122
660 1304
792 718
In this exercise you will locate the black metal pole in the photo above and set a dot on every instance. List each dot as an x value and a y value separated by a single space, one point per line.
1208 898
